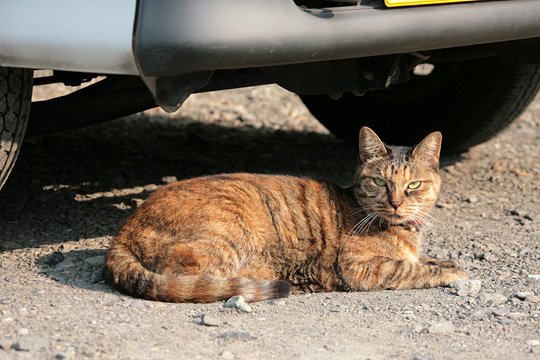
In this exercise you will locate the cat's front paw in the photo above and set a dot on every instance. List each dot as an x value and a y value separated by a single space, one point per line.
451 274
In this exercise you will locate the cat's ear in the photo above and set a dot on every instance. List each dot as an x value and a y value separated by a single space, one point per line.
429 150
370 145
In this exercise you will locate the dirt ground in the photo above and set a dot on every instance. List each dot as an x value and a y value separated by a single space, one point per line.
70 193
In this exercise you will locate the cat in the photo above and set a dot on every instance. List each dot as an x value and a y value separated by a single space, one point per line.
261 236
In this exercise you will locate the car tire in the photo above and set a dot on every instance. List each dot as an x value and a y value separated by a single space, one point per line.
15 99
468 101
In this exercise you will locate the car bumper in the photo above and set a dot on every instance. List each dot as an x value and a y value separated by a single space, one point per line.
168 38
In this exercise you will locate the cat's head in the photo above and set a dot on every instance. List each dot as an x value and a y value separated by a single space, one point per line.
399 184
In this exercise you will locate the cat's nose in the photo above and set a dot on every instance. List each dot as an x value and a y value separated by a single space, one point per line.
395 203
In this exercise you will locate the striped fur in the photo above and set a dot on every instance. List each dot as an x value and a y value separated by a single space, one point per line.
261 236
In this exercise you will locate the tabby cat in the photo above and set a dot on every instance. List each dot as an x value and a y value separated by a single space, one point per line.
261 236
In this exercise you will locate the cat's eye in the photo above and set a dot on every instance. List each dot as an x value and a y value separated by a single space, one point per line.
379 182
414 185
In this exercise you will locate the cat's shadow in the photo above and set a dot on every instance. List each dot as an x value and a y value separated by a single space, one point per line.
84 184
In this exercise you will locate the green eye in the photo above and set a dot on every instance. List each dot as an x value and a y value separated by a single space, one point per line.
379 182
414 185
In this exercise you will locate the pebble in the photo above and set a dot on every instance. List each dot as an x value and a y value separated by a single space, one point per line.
138 304
227 355
239 303
137 201
534 276
493 299
466 287
22 331
5 344
207 320
523 295
445 327
95 260
29 343
472 199
235 335
55 258
169 179
533 343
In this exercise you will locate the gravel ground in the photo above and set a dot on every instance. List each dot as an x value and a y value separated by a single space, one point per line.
70 193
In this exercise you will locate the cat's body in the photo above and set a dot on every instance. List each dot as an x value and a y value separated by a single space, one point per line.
207 239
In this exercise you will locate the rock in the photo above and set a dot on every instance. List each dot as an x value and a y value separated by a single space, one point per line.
499 313
523 295
533 343
472 199
227 355
239 304
55 258
66 354
138 304
236 335
22 331
534 276
137 202
445 327
466 287
209 321
478 315
169 179
5 344
95 260
493 299
30 343
277 302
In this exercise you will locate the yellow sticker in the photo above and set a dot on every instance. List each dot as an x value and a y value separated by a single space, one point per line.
395 3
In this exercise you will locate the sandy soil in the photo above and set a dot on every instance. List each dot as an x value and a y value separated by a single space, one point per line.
70 193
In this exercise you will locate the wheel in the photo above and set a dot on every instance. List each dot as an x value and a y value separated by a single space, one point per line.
468 101
15 99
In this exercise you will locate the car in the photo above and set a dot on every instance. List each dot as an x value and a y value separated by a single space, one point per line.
402 67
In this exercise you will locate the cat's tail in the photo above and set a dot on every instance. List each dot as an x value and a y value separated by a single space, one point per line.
128 275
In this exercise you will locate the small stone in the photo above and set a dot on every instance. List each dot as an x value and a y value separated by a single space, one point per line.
23 311
5 344
478 315
209 321
523 295
29 343
138 304
137 202
236 335
517 315
445 327
472 199
95 260
533 343
493 299
467 287
277 302
498 167
239 304
534 276
22 331
66 354
55 258
499 313
227 355
169 179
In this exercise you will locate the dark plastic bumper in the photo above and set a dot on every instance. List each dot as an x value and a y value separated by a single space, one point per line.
179 37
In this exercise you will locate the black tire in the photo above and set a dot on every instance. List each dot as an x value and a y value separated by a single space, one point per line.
468 101
15 99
